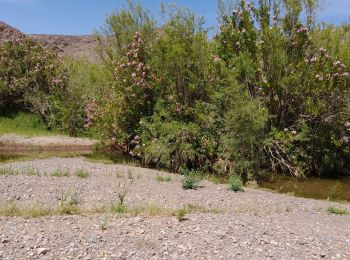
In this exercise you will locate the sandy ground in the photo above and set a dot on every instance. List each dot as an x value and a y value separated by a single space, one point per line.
248 225
52 143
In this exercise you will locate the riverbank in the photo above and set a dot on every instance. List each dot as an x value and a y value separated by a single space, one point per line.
11 142
218 223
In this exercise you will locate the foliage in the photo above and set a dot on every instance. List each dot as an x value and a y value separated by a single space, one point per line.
235 183
190 181
31 77
334 191
337 211
81 173
24 123
181 214
87 83
119 29
268 92
303 88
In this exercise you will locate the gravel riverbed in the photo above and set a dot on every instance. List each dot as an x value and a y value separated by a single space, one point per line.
247 225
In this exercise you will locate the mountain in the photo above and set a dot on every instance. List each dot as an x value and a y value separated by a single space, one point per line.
76 46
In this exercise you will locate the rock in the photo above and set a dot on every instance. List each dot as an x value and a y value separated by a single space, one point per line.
5 241
42 251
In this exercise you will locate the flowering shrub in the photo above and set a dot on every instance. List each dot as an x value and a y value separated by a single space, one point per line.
304 89
131 98
260 95
30 77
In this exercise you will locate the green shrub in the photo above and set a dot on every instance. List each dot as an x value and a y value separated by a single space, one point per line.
60 173
81 173
31 78
235 183
190 182
74 112
337 211
334 191
181 214
303 88
118 208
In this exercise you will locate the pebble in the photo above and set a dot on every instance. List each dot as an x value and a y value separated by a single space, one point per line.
42 251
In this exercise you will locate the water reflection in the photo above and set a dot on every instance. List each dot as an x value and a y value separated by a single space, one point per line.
317 188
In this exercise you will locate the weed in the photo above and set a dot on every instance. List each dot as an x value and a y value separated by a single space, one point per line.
31 172
8 171
123 190
32 211
334 191
81 173
235 183
163 178
60 173
118 208
25 124
180 214
190 182
69 203
337 211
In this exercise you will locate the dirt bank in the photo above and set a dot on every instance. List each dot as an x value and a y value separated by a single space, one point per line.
46 143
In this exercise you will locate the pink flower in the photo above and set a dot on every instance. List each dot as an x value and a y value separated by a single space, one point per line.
133 75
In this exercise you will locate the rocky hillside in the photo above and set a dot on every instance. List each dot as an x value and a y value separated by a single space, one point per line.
77 46
9 33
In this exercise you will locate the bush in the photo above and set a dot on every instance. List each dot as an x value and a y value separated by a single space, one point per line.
337 211
190 182
303 88
235 183
74 112
31 78
261 95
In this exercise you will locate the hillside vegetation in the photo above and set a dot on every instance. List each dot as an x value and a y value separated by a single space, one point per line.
269 92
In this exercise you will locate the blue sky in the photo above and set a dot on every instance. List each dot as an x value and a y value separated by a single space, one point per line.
85 16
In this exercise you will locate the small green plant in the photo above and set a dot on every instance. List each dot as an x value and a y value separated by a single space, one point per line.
190 182
60 173
11 209
163 178
81 173
235 183
181 214
334 191
69 203
31 172
8 171
337 211
119 207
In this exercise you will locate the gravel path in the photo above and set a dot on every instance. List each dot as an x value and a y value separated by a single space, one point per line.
249 225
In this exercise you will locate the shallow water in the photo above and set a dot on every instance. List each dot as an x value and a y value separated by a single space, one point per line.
104 157
10 156
316 188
